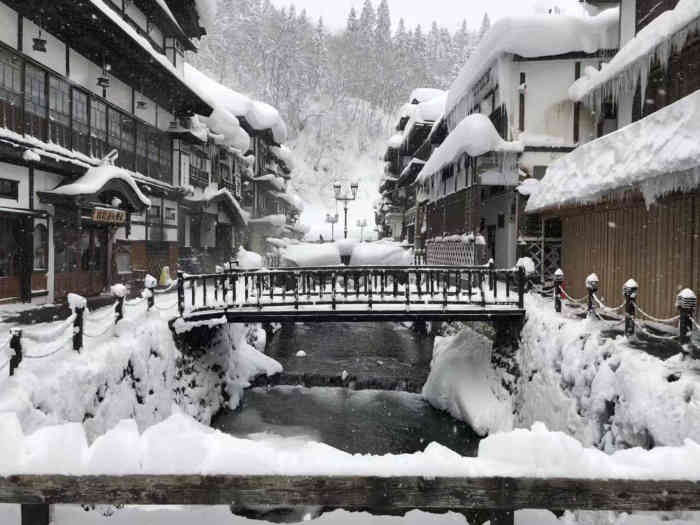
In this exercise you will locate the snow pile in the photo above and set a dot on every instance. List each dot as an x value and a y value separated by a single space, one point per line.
395 141
276 182
534 36
96 178
249 260
463 382
181 445
211 194
382 253
263 116
285 155
134 371
307 254
654 43
658 155
426 113
31 155
600 390
475 136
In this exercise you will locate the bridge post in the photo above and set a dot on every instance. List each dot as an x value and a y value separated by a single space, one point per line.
78 329
16 346
521 287
181 293
35 514
630 291
558 281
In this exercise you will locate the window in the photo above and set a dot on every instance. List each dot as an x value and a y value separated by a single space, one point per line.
170 215
142 140
9 189
166 158
501 220
59 112
10 91
154 169
35 103
539 172
81 125
41 247
98 130
123 259
127 156
154 212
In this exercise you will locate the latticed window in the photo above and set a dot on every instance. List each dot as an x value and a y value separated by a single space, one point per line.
81 125
10 91
35 103
98 129
142 139
59 112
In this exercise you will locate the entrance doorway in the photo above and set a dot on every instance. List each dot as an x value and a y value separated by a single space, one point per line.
81 259
15 258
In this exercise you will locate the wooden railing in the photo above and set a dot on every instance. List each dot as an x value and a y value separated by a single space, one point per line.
336 287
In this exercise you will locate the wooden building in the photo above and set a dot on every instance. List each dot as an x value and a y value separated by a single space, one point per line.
628 201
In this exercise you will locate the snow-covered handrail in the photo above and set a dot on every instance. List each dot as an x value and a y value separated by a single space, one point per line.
50 336
648 334
670 320
60 346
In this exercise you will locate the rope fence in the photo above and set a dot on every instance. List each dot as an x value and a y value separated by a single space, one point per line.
685 322
81 324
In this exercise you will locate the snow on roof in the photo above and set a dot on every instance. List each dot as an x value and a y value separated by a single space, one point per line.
263 116
227 104
427 112
425 94
475 135
95 179
658 155
212 193
535 36
169 13
395 141
407 110
285 155
274 180
293 200
206 9
656 41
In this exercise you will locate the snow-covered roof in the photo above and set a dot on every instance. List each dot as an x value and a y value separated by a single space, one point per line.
273 180
211 194
427 112
425 94
475 135
395 141
97 178
164 7
206 9
293 200
656 41
285 155
657 155
230 106
535 36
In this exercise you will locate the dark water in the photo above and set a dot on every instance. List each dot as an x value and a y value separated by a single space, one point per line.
356 421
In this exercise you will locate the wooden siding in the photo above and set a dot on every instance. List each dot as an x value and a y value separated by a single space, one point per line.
659 248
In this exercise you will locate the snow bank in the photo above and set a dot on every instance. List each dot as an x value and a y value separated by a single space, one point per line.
211 193
383 253
463 382
655 42
475 136
249 260
421 95
600 390
311 254
181 445
658 155
534 36
96 178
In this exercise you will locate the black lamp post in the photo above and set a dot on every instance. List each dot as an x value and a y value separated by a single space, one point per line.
332 220
337 188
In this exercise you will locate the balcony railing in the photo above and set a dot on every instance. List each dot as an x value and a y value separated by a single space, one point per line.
199 177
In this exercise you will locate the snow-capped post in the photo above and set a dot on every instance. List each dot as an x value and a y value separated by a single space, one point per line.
592 285
16 346
492 274
77 305
181 293
119 291
630 291
687 303
149 284
558 282
521 287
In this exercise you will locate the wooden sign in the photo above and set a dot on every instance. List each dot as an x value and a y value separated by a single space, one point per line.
108 216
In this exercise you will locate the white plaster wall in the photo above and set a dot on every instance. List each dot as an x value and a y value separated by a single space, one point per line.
530 159
505 237
138 232
136 15
156 34
628 21
44 181
8 26
170 234
148 114
164 118
55 56
119 93
21 174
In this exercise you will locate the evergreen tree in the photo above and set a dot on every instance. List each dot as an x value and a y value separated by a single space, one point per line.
485 26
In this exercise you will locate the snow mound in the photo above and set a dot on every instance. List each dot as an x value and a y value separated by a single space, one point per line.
249 260
463 382
658 155
383 253
206 9
475 135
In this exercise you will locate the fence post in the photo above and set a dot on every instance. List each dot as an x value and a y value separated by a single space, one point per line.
78 329
687 303
558 282
16 346
630 291
149 284
592 285
181 292
521 287
492 275
119 291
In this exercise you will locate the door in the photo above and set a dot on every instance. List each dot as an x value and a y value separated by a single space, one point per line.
15 261
81 260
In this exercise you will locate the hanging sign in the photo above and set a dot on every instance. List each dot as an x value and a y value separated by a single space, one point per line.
109 216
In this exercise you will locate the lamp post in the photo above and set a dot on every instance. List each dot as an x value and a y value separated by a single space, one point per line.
362 225
337 188
332 220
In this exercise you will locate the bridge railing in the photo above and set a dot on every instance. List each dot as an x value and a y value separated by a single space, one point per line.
334 287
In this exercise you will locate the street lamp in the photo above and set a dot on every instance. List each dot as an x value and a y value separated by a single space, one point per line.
332 220
337 188
362 225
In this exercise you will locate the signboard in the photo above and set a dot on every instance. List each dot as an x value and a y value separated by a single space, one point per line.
109 216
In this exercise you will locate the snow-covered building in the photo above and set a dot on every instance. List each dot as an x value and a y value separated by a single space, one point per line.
628 200
397 212
511 117
88 93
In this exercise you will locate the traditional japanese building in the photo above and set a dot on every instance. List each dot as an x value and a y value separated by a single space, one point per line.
518 79
628 200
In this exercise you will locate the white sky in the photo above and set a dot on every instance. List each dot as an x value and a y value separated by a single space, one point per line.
448 13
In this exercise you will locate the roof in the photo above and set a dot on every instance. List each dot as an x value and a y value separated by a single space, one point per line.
211 196
475 136
535 36
420 95
633 60
657 155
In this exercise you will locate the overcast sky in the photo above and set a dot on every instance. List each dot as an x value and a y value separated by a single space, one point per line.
448 13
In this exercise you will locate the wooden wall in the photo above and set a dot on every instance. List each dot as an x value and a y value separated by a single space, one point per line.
659 248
